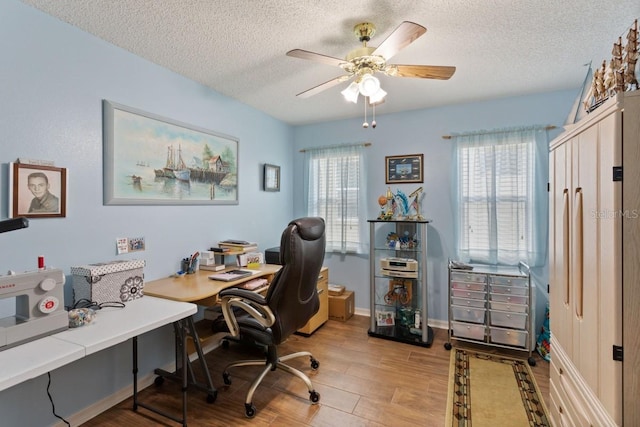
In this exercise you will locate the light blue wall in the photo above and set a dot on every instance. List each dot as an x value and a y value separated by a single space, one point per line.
53 78
415 132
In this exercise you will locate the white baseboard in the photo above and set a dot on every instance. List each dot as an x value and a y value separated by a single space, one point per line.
112 400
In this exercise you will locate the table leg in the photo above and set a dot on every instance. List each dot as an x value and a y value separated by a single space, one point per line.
187 327
181 364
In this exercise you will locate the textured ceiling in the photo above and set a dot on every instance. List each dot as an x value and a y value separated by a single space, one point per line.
237 47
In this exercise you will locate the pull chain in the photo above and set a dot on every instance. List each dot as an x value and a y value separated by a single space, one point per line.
365 124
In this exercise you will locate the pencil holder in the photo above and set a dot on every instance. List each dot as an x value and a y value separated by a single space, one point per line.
189 267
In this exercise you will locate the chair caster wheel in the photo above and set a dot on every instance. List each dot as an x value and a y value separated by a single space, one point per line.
225 344
315 364
249 410
314 396
226 378
158 381
532 361
447 345
212 397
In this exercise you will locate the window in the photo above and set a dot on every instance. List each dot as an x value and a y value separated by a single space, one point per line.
501 202
336 191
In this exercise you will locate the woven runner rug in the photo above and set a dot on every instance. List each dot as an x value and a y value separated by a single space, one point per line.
492 390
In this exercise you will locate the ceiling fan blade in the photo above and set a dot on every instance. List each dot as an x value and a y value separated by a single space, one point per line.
324 86
425 71
312 56
401 37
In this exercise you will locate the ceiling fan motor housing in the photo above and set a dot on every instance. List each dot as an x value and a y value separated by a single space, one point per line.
364 31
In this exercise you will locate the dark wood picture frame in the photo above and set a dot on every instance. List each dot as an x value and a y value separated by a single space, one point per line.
404 169
44 197
271 178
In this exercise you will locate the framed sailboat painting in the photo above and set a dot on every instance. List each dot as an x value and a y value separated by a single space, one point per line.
152 160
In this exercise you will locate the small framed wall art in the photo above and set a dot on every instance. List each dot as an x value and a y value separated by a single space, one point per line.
37 191
404 169
271 178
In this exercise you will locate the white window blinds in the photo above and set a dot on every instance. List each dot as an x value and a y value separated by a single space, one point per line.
336 191
501 200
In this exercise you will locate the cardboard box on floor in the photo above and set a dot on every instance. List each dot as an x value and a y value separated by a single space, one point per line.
341 307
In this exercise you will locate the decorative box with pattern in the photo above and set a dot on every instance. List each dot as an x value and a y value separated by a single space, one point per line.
112 281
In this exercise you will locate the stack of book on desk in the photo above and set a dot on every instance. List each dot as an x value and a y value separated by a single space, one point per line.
238 245
208 261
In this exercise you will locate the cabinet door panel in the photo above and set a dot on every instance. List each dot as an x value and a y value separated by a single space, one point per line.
559 212
586 173
610 248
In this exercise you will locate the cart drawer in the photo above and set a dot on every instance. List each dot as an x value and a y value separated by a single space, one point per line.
508 319
468 314
468 330
513 299
468 277
469 286
511 290
460 293
509 281
507 306
508 337
468 302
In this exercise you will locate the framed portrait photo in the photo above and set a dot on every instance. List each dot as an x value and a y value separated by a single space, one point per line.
404 169
271 177
37 191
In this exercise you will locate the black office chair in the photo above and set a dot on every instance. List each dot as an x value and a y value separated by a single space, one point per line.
290 302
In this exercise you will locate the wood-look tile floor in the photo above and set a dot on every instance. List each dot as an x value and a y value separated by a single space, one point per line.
363 381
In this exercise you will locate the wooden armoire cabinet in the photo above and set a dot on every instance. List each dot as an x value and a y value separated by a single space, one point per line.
594 247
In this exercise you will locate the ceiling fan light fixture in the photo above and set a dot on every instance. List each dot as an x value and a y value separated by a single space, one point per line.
351 93
368 85
377 97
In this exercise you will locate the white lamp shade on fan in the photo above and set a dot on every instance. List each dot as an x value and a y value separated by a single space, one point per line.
368 85
351 93
377 97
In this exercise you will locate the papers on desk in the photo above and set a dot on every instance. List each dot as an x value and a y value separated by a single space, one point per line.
254 284
231 275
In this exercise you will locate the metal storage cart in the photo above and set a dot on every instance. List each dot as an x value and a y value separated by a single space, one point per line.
492 305
398 279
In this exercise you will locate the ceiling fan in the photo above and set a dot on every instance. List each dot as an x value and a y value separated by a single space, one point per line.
362 63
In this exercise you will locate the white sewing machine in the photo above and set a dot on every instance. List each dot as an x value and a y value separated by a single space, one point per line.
40 309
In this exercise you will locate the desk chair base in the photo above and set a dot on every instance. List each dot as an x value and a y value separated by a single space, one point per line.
250 409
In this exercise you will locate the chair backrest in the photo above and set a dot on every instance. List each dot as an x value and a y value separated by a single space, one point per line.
292 295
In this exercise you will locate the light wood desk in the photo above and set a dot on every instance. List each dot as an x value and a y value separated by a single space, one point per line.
198 288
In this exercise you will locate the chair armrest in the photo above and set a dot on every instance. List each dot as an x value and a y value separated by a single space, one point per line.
251 302
244 294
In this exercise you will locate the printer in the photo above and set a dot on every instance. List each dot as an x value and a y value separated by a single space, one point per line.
272 255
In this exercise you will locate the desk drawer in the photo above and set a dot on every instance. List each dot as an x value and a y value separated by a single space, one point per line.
322 315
